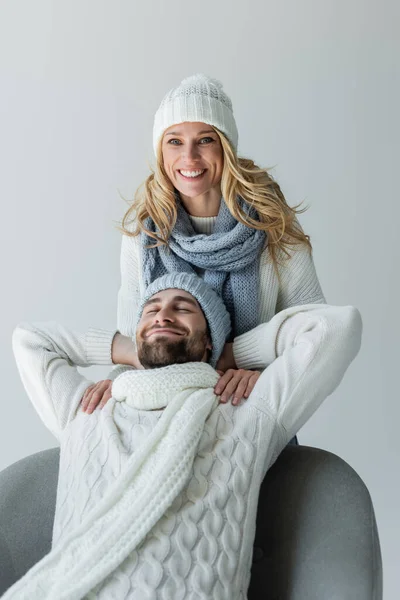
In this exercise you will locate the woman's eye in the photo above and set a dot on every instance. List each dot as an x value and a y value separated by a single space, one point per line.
206 140
174 142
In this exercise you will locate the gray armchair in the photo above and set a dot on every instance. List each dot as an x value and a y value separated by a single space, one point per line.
316 531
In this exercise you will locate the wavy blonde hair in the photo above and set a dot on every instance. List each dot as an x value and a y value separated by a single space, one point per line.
155 198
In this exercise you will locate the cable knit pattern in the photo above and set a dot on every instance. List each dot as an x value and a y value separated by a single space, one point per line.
153 477
194 550
189 534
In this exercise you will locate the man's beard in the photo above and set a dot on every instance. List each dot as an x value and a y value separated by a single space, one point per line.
162 352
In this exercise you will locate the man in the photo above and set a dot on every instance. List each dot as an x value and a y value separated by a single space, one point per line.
158 491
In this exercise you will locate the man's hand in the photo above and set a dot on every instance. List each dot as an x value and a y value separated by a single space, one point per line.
96 395
238 383
226 360
123 351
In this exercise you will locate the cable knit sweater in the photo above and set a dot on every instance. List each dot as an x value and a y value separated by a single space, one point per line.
201 548
297 284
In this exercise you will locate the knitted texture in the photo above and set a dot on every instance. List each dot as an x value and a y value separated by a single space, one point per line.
229 257
149 484
214 310
297 284
197 99
201 546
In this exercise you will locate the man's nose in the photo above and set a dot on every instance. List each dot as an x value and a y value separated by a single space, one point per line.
164 315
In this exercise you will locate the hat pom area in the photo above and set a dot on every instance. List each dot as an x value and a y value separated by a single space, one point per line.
201 78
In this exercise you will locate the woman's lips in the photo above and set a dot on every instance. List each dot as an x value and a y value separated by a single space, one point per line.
192 178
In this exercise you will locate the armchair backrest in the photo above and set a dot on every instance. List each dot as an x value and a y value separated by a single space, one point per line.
27 488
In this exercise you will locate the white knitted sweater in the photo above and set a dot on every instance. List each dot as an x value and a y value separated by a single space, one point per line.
297 285
201 548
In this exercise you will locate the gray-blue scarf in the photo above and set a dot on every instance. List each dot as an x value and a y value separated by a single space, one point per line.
229 256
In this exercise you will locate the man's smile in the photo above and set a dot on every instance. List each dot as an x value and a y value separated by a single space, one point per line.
164 331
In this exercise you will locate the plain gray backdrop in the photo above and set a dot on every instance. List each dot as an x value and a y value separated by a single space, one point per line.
316 94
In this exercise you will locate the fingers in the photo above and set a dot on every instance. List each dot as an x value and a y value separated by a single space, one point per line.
106 397
237 387
96 394
240 390
233 383
236 383
251 383
86 396
223 381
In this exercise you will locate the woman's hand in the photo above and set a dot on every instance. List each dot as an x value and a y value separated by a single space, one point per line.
97 394
226 360
238 383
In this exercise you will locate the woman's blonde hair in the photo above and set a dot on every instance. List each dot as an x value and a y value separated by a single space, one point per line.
240 177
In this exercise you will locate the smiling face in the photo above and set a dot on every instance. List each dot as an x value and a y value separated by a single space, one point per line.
193 159
172 329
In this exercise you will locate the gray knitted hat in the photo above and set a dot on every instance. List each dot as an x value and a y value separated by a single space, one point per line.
214 310
196 99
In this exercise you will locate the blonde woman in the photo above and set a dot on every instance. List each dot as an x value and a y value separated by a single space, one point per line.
205 210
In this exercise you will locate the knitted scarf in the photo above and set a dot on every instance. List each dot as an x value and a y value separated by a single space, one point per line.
229 257
152 478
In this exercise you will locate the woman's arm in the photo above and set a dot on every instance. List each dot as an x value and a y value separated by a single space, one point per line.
47 356
128 302
298 280
307 351
296 285
130 290
129 293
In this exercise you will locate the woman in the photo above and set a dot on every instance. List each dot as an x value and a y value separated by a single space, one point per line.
206 210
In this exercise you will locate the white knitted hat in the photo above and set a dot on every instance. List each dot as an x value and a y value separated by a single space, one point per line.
196 99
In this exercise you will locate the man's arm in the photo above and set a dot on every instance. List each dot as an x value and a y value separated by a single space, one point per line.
305 352
47 356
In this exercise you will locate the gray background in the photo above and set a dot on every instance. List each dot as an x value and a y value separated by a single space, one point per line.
315 88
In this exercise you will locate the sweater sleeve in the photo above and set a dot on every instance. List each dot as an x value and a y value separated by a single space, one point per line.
128 294
298 280
308 350
129 291
297 285
47 357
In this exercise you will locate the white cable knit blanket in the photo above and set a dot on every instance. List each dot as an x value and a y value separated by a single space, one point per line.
151 480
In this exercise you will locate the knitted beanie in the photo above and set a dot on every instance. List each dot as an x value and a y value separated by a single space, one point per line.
196 99
214 310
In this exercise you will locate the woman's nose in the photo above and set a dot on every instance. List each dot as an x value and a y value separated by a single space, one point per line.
191 151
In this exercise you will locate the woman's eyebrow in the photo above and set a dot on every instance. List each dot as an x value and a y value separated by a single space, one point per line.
199 133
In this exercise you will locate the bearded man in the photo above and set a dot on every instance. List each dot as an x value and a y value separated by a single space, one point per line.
158 491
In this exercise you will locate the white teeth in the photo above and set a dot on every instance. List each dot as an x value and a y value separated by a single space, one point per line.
192 173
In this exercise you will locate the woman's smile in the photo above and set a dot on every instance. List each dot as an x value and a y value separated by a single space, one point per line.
192 175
